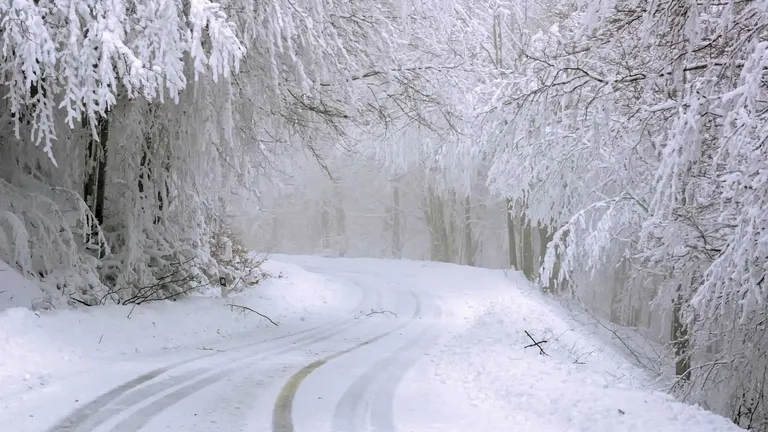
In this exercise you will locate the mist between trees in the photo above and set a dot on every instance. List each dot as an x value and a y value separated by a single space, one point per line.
619 147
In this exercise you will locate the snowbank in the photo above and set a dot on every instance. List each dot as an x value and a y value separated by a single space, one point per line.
17 291
38 347
581 384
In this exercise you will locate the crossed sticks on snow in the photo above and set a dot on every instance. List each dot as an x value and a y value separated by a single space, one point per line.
535 344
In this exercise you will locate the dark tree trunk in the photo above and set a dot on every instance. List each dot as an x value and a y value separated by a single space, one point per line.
156 143
101 175
527 250
96 175
680 339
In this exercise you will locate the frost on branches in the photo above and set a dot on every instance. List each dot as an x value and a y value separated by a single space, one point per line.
77 56
95 164
132 129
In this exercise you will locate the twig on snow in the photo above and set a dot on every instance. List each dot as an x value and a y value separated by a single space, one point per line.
210 349
374 312
246 308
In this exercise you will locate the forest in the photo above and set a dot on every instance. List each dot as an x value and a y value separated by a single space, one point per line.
614 151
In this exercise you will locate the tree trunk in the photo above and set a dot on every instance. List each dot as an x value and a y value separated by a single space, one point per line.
679 328
448 233
397 246
527 252
325 222
156 144
545 238
680 339
469 245
341 228
435 216
101 183
511 237
96 172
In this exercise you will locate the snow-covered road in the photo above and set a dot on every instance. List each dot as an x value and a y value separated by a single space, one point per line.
338 375
374 346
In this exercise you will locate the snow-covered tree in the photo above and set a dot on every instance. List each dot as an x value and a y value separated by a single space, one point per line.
134 128
633 128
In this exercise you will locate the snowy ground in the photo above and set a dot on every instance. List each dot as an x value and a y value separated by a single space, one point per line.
362 345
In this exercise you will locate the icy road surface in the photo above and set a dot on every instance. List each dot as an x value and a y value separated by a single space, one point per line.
363 345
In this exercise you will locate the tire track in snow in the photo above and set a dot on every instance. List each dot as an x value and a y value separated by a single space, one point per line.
77 418
367 404
282 414
85 416
90 415
382 406
144 415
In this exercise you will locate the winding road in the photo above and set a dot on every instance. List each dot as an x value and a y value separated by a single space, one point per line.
442 348
340 376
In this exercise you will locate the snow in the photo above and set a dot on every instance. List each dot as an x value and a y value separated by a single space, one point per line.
580 385
16 290
43 349
450 357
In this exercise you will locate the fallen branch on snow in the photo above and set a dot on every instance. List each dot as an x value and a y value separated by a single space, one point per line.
246 308
374 312
210 349
535 344
82 302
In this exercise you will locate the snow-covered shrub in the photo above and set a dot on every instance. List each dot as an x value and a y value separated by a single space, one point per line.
41 235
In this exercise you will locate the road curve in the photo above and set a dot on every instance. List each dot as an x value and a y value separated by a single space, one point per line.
282 415
367 402
272 375
182 379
